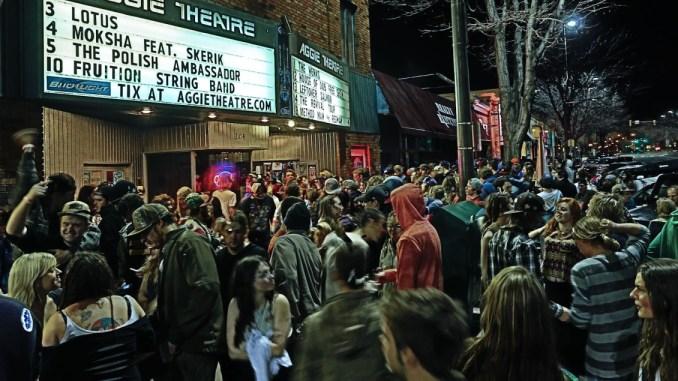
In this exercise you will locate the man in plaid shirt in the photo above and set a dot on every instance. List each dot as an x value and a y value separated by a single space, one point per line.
511 245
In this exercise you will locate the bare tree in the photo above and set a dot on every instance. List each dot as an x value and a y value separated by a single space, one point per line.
520 33
585 96
583 105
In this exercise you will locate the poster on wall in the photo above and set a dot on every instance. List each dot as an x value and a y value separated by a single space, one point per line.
94 52
303 169
312 171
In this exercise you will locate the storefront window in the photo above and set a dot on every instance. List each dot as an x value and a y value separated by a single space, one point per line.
360 156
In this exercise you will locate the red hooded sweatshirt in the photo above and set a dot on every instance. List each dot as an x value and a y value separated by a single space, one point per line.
418 249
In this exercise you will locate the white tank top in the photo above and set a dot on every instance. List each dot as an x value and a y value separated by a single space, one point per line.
74 330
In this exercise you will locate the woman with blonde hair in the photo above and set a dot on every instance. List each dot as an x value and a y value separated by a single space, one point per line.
607 206
517 340
31 278
656 298
665 206
600 303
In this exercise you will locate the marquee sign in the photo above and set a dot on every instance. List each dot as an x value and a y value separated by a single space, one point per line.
320 90
93 52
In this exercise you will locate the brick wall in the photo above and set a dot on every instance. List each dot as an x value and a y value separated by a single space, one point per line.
317 20
351 139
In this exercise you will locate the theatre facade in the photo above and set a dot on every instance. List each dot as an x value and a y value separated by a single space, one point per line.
164 93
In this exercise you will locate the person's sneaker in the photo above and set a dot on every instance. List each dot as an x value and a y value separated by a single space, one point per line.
26 136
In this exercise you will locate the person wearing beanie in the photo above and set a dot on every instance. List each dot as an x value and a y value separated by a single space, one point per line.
297 264
194 202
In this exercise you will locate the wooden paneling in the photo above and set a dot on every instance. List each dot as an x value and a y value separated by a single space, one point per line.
223 135
72 140
176 138
321 147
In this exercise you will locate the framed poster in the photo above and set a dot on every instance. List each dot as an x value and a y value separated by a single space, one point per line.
312 171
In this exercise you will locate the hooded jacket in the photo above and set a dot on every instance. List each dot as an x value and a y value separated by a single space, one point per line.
418 249
665 244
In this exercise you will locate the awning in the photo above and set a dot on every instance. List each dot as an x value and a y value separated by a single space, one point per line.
416 110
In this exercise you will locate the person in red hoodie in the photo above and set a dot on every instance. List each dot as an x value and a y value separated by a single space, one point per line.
418 249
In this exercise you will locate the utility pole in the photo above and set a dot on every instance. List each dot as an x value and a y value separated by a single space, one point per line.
462 94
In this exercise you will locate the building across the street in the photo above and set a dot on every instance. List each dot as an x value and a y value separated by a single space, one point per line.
165 93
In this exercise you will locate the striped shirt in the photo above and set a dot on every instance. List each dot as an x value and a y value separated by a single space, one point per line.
601 304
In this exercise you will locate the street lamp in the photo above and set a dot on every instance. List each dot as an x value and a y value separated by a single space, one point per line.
571 24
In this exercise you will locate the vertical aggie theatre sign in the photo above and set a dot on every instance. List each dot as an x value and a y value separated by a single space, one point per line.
320 89
130 52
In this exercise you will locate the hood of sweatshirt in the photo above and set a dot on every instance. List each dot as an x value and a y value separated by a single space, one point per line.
408 204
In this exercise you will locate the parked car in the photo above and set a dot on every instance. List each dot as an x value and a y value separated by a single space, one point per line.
646 198
647 169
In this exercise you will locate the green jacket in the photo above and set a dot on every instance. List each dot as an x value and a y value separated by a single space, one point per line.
665 244
190 312
342 337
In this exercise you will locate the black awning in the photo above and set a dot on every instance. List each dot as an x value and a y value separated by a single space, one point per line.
416 110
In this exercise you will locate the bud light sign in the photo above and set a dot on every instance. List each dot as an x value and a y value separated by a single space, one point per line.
78 86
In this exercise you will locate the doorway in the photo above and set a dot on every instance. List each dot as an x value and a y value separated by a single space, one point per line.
167 172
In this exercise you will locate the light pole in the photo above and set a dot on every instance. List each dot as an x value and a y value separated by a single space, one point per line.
569 24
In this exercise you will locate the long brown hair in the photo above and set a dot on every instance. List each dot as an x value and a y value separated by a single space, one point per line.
659 342
518 341
575 211
497 204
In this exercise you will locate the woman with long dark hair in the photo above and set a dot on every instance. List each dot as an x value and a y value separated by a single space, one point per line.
258 323
96 335
497 205
656 298
517 342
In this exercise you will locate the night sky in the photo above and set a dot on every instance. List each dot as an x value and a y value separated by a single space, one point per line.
400 49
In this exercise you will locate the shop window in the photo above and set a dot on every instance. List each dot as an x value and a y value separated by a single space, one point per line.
348 10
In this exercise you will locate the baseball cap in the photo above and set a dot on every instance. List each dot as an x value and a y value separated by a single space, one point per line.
350 184
76 208
122 188
332 186
106 191
375 193
145 216
527 202
194 200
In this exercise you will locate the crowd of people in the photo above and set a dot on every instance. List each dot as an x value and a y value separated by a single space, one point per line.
333 278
